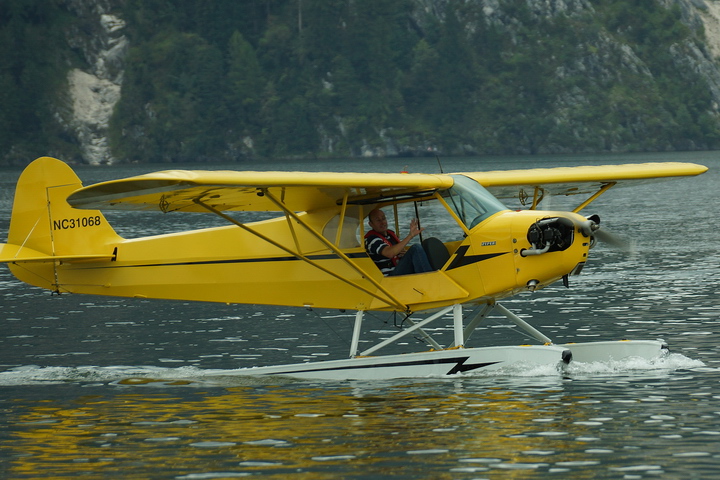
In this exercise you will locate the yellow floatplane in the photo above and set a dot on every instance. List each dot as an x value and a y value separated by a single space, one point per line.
311 253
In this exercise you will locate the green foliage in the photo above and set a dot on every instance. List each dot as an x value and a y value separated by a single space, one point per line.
175 112
676 105
32 75
220 80
245 84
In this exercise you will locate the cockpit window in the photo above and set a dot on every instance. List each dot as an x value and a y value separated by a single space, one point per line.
470 201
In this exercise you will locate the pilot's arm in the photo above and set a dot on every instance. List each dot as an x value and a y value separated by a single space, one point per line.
398 249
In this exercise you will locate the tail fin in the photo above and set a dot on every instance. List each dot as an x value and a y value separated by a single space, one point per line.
45 230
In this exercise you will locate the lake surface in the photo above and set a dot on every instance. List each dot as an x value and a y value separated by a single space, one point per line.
99 387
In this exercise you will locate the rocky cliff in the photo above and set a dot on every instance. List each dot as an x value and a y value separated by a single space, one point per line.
95 90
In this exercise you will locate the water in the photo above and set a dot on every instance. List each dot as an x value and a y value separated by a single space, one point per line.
97 387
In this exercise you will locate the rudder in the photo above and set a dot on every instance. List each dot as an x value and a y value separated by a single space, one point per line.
44 224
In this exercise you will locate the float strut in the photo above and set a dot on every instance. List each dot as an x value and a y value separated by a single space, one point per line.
356 333
523 324
458 325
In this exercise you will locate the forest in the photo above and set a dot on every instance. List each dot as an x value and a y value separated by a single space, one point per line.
230 81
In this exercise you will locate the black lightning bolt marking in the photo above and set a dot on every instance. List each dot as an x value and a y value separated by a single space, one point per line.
462 259
460 367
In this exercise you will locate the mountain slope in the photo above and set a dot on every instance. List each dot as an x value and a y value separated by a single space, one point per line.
155 81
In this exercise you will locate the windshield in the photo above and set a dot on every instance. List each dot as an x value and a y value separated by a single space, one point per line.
471 202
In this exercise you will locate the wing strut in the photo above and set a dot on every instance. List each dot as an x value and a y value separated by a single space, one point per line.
587 202
389 299
341 221
339 253
538 196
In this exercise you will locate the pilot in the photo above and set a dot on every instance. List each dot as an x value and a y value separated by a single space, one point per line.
388 251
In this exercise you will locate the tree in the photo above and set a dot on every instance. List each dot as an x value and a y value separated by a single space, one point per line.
245 84
176 104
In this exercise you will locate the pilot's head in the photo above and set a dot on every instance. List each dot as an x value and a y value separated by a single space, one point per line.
377 221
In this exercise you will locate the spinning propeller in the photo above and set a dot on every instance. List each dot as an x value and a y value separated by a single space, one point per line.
591 228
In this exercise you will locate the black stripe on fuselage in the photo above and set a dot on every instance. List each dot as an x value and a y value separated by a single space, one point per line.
288 258
461 259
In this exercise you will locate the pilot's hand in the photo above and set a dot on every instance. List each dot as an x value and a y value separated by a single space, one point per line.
414 227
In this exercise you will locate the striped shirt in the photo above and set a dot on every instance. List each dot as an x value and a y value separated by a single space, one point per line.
374 245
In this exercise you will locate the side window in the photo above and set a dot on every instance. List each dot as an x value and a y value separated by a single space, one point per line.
349 235
433 217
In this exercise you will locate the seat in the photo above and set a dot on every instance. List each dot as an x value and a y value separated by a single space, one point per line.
436 252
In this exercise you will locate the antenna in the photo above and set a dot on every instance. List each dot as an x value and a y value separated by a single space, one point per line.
439 164
417 215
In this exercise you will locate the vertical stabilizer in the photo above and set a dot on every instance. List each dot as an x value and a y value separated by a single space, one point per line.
45 230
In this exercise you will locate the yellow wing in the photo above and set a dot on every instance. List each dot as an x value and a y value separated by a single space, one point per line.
180 190
530 185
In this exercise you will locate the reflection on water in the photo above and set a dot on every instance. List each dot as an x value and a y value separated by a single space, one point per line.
399 429
99 387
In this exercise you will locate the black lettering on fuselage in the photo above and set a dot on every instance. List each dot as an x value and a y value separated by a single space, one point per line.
79 222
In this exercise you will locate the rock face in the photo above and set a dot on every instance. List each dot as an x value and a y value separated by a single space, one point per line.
709 14
94 93
704 14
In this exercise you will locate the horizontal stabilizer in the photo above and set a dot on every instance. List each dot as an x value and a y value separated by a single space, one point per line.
10 253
